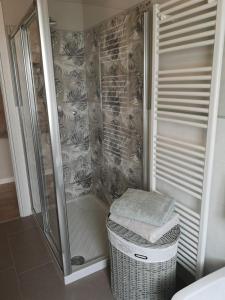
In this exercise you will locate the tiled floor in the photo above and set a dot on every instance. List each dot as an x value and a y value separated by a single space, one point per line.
27 271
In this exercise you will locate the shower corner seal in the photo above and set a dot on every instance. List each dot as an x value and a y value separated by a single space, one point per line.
76 275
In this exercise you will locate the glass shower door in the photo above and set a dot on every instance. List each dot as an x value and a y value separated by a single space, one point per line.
37 136
26 124
41 128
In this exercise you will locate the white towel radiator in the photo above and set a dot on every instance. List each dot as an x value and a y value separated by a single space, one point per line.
188 40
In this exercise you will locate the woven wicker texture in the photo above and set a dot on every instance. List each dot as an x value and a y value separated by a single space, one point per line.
135 280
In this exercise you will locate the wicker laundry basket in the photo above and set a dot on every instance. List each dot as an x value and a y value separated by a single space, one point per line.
141 270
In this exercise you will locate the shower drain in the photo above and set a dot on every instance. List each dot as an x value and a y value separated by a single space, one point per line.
77 260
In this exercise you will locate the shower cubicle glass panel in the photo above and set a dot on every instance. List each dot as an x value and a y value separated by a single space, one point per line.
98 77
98 56
35 120
42 131
26 122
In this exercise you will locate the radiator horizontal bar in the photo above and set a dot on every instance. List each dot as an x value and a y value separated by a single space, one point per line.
113 93
180 175
115 153
113 47
185 266
197 147
177 179
182 6
180 162
187 21
189 241
183 115
192 256
114 81
184 209
114 108
118 138
181 156
196 191
115 40
187 38
187 217
185 78
117 133
194 174
113 60
184 101
168 3
114 103
180 149
115 150
185 222
122 128
110 143
181 93
184 86
186 239
188 46
187 29
123 143
109 97
189 230
111 31
114 76
110 56
179 187
113 86
183 108
185 255
119 130
188 13
188 70
183 122
118 38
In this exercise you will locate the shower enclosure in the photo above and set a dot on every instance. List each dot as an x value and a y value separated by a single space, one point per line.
79 76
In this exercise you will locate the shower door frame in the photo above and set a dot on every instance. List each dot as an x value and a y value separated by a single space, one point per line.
47 61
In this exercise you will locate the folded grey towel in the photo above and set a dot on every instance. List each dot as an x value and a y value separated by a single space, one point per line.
149 207
147 231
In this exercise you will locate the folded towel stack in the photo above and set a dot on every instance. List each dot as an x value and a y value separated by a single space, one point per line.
148 214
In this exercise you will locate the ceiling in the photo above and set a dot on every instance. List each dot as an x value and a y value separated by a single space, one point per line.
117 4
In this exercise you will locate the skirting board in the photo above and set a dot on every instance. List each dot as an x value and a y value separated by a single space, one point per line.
86 271
7 180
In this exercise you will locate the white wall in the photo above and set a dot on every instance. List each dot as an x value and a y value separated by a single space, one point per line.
116 4
14 10
6 170
78 17
222 90
68 15
215 250
94 15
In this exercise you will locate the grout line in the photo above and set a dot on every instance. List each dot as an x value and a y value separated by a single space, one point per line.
9 220
14 268
51 254
34 268
12 235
